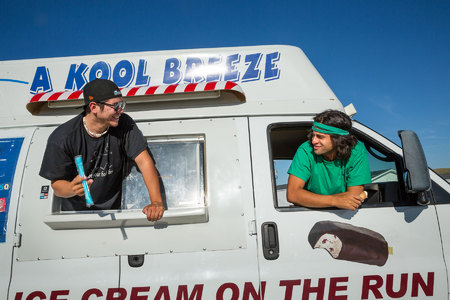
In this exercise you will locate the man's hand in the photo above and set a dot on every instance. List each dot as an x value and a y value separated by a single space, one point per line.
351 199
68 189
347 201
76 185
154 211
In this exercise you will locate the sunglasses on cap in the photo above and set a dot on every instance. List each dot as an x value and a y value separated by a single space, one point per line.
116 106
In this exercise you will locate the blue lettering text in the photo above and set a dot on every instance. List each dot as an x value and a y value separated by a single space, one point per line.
100 70
252 73
75 79
214 73
41 82
192 64
232 74
172 73
123 73
272 72
141 78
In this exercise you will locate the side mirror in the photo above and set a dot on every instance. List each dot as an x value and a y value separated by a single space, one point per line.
418 176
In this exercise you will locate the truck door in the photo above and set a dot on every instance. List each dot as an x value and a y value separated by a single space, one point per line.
60 255
14 145
441 195
205 245
390 248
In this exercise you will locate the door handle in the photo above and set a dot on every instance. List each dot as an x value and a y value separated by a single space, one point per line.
270 243
136 261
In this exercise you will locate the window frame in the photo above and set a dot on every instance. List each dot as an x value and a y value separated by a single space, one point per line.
369 141
89 219
200 167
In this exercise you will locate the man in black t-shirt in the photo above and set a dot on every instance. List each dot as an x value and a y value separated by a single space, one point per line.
106 138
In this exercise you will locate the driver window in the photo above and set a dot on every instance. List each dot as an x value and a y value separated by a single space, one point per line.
284 141
385 166
386 179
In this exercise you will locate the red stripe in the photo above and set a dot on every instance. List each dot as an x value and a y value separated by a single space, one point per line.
36 97
75 95
170 89
132 92
210 86
54 96
191 87
151 90
229 85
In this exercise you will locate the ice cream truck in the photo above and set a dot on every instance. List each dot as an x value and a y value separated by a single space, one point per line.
223 126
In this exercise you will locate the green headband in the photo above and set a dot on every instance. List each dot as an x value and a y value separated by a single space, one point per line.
328 129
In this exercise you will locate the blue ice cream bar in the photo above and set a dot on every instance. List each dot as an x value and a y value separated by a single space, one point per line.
87 194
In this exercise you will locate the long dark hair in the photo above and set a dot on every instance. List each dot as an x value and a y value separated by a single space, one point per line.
343 143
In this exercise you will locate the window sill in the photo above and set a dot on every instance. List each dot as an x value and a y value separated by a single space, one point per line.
119 219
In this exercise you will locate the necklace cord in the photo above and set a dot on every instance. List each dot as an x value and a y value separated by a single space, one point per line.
92 133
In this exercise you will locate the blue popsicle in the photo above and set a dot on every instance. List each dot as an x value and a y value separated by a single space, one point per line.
87 194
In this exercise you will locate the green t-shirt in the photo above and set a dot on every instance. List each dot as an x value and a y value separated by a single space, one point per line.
330 177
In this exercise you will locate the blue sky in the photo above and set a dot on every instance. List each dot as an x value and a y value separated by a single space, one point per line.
389 58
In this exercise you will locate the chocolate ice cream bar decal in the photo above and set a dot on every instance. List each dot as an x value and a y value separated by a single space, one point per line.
348 242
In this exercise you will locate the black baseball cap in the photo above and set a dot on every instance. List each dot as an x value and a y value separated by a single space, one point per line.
99 90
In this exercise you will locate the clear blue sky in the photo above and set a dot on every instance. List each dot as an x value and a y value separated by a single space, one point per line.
391 59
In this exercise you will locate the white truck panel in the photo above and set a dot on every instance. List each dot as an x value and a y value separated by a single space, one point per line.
10 209
301 270
279 68
229 231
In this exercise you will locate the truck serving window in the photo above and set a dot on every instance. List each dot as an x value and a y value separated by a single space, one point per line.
179 162
385 166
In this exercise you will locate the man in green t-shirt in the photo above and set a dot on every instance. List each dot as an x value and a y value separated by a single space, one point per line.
330 169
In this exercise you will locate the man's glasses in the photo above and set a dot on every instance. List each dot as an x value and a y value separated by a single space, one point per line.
116 106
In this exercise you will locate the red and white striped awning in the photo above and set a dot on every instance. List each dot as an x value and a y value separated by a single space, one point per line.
73 98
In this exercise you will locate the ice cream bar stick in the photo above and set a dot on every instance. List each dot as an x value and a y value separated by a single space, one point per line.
363 195
87 194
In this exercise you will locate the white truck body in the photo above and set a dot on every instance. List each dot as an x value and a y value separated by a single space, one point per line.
223 125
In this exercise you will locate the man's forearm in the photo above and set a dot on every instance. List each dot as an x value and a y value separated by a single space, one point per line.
152 183
350 199
150 176
309 199
153 186
155 210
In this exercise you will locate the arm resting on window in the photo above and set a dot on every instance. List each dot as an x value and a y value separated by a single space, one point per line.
296 194
154 211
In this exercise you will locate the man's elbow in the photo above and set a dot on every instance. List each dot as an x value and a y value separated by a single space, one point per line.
57 192
58 189
291 195
355 190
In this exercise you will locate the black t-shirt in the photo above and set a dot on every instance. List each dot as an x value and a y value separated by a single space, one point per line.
103 159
